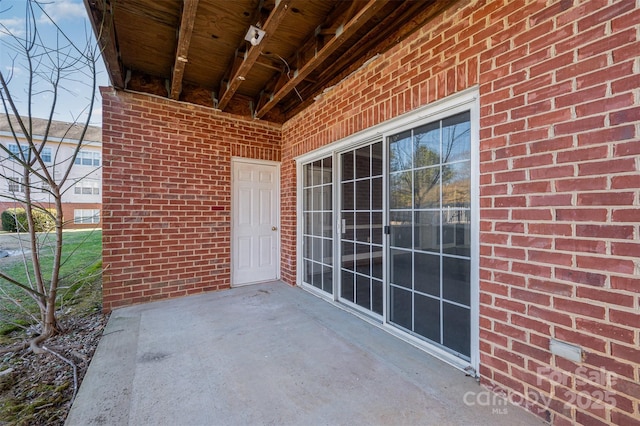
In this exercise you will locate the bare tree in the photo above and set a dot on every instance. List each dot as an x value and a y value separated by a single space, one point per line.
54 65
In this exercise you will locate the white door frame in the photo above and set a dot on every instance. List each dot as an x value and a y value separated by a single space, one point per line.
234 209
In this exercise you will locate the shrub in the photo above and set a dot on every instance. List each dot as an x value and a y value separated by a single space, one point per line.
44 221
15 219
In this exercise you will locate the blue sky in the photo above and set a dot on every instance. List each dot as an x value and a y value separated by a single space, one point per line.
71 17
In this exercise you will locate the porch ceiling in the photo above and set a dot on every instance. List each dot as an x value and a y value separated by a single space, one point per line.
195 50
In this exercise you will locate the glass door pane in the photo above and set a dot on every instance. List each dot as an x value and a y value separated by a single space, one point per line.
361 253
429 244
317 227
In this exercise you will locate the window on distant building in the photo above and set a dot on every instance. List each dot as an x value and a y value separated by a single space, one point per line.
16 184
86 216
87 187
15 150
46 155
88 158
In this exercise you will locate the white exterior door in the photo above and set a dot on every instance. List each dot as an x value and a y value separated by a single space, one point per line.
255 221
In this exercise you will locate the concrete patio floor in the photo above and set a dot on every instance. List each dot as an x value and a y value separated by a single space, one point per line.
270 354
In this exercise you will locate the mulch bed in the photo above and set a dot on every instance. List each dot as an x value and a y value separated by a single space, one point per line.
38 390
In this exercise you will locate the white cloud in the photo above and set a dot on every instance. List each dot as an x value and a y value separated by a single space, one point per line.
13 70
60 10
14 26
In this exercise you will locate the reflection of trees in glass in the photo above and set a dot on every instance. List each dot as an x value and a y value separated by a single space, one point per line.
400 151
407 151
456 179
456 190
400 190
456 141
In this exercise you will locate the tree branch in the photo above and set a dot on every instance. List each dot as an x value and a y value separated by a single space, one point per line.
19 284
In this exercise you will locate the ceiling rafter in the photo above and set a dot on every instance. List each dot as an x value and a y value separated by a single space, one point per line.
418 14
251 57
316 45
182 51
269 64
102 23
348 29
415 16
341 17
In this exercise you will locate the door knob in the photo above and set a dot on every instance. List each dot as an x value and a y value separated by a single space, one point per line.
274 228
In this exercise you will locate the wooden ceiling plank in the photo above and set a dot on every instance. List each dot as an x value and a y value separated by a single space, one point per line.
348 30
101 17
270 26
182 51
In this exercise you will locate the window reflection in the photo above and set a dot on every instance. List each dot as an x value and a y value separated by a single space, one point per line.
426 190
427 145
456 232
456 138
400 152
400 190
430 222
456 185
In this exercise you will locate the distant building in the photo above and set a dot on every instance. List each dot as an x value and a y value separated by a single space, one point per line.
82 198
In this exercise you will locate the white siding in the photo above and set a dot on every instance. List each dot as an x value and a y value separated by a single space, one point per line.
83 174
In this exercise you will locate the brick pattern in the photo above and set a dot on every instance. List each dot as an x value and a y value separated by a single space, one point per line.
561 186
560 165
167 195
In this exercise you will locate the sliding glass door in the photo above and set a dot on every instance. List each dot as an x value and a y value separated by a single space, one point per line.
387 230
429 245
317 229
361 239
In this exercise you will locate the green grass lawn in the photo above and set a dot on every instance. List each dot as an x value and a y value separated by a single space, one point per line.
81 267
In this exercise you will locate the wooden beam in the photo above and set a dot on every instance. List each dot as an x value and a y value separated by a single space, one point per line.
270 26
269 64
182 51
101 17
348 30
414 17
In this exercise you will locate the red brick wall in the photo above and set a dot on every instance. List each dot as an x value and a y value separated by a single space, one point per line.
559 184
167 194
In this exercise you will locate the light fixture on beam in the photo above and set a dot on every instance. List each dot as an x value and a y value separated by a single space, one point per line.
254 35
